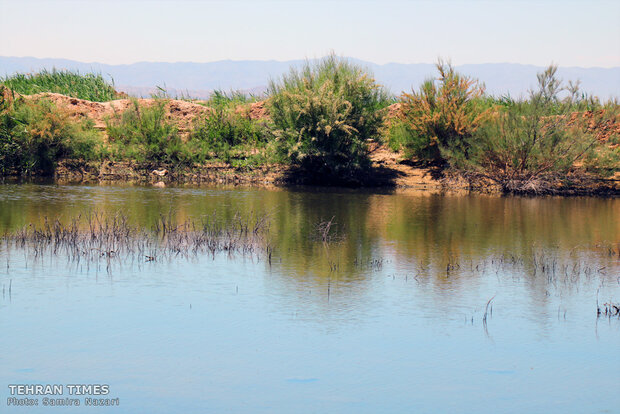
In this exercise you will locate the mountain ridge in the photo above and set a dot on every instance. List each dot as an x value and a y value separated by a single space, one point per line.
198 79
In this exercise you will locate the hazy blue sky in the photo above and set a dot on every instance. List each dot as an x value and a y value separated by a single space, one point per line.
570 33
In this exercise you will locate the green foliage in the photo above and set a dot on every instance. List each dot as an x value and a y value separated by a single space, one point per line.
523 145
437 121
320 117
603 159
143 133
220 99
34 135
324 113
227 131
226 127
401 135
398 136
520 144
90 86
529 144
9 149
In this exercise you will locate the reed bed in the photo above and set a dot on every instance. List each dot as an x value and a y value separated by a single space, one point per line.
555 267
96 238
89 86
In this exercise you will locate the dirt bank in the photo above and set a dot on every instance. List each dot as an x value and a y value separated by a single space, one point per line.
387 171
182 113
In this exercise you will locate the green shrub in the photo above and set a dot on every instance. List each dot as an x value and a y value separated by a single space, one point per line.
528 145
437 122
143 133
90 86
9 149
224 131
226 128
324 113
34 135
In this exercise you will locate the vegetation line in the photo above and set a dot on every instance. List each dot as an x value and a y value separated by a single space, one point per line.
318 124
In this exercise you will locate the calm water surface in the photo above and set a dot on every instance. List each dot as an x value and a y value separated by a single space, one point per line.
389 318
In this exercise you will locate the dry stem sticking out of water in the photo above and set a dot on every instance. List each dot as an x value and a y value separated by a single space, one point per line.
111 238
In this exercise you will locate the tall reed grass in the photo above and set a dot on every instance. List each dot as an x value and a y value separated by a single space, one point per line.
89 86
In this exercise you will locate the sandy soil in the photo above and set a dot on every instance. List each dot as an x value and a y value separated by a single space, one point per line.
402 173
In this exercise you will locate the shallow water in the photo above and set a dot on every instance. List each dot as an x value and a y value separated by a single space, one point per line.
388 317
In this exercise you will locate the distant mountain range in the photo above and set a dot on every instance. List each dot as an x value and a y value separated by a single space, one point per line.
199 79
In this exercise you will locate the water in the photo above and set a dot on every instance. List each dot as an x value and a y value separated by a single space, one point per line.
389 317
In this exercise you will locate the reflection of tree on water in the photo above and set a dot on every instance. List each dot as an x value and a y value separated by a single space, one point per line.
446 239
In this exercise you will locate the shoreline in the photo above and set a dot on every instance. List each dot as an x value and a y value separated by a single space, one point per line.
383 176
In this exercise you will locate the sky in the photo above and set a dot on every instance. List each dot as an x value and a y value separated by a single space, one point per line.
565 32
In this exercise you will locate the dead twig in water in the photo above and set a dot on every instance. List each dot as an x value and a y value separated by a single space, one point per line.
486 311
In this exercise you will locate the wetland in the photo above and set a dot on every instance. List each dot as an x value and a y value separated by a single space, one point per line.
304 299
